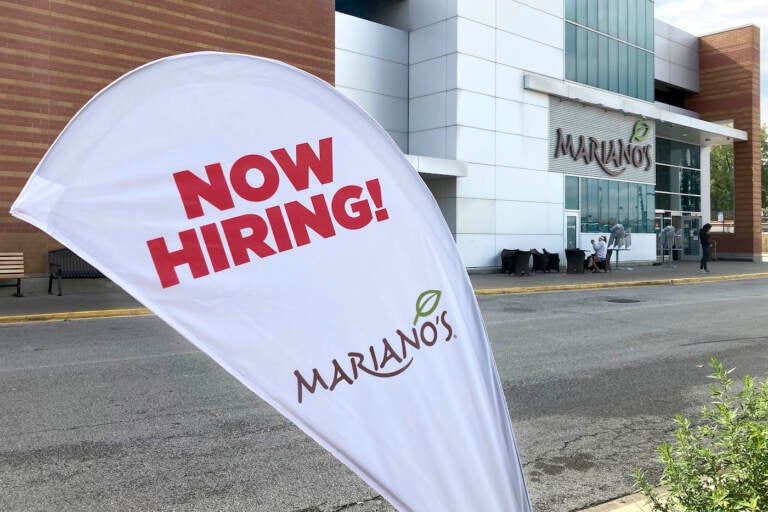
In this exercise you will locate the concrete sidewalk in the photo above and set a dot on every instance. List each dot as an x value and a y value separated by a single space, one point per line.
89 298
625 275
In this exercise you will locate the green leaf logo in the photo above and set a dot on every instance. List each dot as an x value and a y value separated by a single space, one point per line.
641 131
426 304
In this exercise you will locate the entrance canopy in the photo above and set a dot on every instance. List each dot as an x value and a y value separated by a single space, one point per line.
671 122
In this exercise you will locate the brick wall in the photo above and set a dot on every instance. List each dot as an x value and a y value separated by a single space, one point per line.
56 54
729 65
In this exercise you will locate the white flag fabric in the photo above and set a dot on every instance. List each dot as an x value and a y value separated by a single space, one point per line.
276 226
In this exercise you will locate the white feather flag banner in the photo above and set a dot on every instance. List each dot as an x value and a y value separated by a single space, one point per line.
276 226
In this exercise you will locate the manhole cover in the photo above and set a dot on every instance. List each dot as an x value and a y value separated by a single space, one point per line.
623 301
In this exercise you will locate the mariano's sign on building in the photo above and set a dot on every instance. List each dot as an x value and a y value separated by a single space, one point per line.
593 142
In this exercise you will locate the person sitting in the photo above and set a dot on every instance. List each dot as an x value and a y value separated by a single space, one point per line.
601 251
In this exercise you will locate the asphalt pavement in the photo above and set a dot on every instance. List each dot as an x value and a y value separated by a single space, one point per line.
87 298
91 298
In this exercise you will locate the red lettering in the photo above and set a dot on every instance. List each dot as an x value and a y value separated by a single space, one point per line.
192 189
166 261
300 218
215 247
306 159
240 243
279 229
238 178
361 209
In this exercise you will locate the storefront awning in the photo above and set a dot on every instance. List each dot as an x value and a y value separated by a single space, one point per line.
669 124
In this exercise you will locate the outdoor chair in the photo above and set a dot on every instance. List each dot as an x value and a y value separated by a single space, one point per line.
575 261
553 260
508 260
539 261
523 263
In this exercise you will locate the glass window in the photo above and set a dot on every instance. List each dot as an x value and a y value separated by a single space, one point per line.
641 94
690 203
581 12
623 203
650 208
663 178
662 151
632 22
592 14
592 214
643 222
649 25
571 231
632 77
603 215
635 198
607 202
613 65
570 51
662 201
592 78
602 16
570 10
613 18
640 17
695 157
690 182
613 202
623 10
650 71
583 206
595 59
581 55
623 58
678 153
602 62
571 193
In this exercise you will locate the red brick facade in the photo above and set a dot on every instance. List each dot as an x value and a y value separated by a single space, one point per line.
56 54
729 65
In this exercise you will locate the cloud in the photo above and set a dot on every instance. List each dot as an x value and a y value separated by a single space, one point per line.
700 17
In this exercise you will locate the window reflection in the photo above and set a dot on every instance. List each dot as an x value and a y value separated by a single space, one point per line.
604 203
609 44
678 177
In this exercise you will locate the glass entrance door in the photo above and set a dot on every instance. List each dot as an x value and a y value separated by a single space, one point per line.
571 230
691 244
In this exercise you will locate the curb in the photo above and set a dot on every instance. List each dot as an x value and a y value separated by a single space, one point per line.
630 503
74 315
617 284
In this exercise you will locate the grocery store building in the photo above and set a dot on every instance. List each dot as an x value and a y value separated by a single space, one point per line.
535 123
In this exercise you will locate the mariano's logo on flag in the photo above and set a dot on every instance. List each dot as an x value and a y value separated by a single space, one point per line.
387 358
278 228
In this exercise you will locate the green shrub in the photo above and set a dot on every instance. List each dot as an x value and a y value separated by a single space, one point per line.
721 463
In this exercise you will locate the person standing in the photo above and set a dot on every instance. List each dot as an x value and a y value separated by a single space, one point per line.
704 240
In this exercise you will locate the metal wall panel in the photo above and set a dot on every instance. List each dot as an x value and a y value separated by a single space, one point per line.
607 128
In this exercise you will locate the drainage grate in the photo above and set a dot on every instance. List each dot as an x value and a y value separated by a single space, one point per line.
623 301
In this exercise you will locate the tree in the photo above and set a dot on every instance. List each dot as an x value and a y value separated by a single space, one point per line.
721 179
721 175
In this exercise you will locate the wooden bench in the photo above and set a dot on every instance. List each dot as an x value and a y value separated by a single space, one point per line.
12 267
64 264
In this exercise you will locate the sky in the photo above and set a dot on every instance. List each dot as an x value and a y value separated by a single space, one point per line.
701 17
